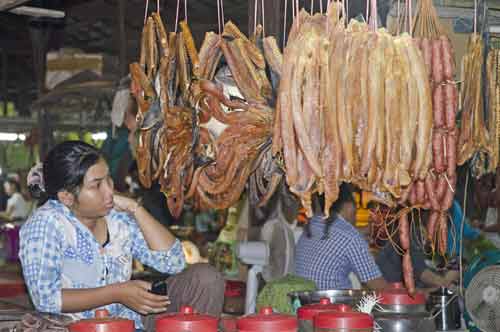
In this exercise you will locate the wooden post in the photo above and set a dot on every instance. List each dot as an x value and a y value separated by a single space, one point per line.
40 34
122 38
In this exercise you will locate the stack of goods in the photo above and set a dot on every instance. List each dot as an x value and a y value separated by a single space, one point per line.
435 189
341 104
474 138
179 104
354 106
493 72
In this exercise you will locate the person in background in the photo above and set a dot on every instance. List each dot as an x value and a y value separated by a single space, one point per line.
487 196
116 151
454 239
3 196
330 249
18 208
77 248
390 263
281 217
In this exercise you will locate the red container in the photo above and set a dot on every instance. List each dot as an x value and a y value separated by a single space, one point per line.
336 321
102 323
306 313
399 296
267 321
396 300
186 320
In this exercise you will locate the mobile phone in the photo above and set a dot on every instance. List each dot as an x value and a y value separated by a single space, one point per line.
159 287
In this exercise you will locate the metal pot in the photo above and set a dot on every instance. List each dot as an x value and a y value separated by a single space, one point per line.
444 303
403 313
405 322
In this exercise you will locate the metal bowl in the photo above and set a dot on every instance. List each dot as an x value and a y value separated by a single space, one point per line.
405 323
346 296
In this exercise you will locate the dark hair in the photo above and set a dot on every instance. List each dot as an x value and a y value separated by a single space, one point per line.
14 183
65 167
345 197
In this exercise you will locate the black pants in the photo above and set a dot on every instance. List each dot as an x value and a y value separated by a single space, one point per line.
200 286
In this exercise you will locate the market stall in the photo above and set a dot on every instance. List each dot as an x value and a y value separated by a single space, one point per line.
343 102
243 127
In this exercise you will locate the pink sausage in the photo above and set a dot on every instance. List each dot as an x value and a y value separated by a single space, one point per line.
451 104
451 151
430 189
438 151
447 53
437 62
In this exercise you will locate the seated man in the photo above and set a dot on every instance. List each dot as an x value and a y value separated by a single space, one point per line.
330 249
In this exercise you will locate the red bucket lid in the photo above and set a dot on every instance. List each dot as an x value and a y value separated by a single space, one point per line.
102 323
343 320
186 320
307 312
267 321
398 295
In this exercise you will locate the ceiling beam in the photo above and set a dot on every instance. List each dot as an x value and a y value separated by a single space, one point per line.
9 4
19 124
37 12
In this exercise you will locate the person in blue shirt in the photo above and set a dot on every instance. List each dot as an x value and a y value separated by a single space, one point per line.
330 249
469 232
77 248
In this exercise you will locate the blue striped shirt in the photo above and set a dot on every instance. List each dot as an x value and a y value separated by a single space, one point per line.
57 251
329 261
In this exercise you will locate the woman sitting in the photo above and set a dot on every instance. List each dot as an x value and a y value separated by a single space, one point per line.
77 248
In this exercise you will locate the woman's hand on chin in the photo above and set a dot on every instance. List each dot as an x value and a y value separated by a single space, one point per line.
125 204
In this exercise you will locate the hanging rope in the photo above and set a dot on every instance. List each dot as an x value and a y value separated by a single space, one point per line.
461 268
222 12
177 15
158 7
255 6
475 16
398 18
186 10
263 19
367 11
410 18
312 7
146 12
297 12
321 6
373 21
406 22
218 16
346 11
284 23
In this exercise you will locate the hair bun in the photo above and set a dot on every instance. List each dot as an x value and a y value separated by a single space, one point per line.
36 192
35 181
